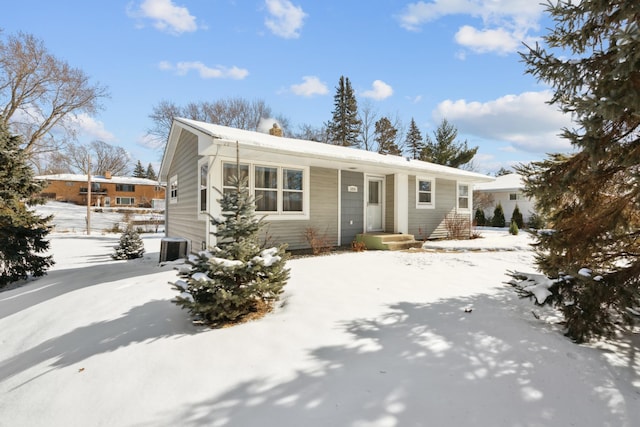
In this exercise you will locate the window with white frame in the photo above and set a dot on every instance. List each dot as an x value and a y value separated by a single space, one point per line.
514 196
425 193
229 172
265 181
292 190
204 187
463 196
173 189
125 201
279 190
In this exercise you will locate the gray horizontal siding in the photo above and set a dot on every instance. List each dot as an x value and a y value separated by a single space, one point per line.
430 223
182 217
388 204
323 213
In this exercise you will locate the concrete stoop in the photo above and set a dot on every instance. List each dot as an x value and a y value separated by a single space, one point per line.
388 241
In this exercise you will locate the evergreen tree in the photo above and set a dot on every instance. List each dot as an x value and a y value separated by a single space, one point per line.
513 228
385 137
502 171
151 173
444 150
498 217
344 127
22 232
479 218
131 245
516 217
238 276
138 171
590 197
414 140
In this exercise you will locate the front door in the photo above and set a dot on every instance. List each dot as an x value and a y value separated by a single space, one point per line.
374 204
107 202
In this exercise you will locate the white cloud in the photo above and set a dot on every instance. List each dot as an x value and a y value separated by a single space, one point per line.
87 126
166 16
499 40
380 90
285 19
311 86
205 72
506 23
526 121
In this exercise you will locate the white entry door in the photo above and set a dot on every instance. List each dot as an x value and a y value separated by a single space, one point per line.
107 202
374 204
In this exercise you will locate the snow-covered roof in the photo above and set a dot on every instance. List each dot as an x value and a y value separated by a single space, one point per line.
316 150
97 178
511 181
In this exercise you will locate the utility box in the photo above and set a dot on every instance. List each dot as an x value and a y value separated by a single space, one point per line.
172 248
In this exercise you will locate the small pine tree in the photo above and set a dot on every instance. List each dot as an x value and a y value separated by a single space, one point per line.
385 136
414 140
22 232
238 276
498 217
138 171
516 217
479 218
131 245
513 228
151 173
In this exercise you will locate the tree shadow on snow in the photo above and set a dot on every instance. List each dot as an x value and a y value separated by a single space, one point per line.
148 322
433 365
59 282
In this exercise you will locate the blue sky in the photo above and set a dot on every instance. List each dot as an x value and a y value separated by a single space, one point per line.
453 59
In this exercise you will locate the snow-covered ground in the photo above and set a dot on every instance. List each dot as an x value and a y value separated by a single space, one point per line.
359 339
69 217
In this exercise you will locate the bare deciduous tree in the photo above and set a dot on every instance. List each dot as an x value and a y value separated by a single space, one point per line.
40 94
310 133
104 158
368 117
233 112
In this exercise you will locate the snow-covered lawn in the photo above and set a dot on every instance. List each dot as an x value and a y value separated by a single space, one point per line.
359 339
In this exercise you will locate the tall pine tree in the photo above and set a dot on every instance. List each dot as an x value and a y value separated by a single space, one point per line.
445 150
239 276
414 140
344 128
591 198
385 136
22 232
138 171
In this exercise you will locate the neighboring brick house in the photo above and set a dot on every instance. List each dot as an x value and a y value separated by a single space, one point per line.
106 190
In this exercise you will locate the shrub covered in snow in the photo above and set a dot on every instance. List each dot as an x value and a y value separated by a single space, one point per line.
238 276
131 245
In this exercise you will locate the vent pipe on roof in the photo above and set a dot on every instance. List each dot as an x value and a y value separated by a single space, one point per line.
275 130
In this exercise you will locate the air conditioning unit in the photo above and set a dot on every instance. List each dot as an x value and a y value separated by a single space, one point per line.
172 248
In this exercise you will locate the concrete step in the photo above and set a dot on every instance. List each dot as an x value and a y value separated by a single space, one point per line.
388 241
384 238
